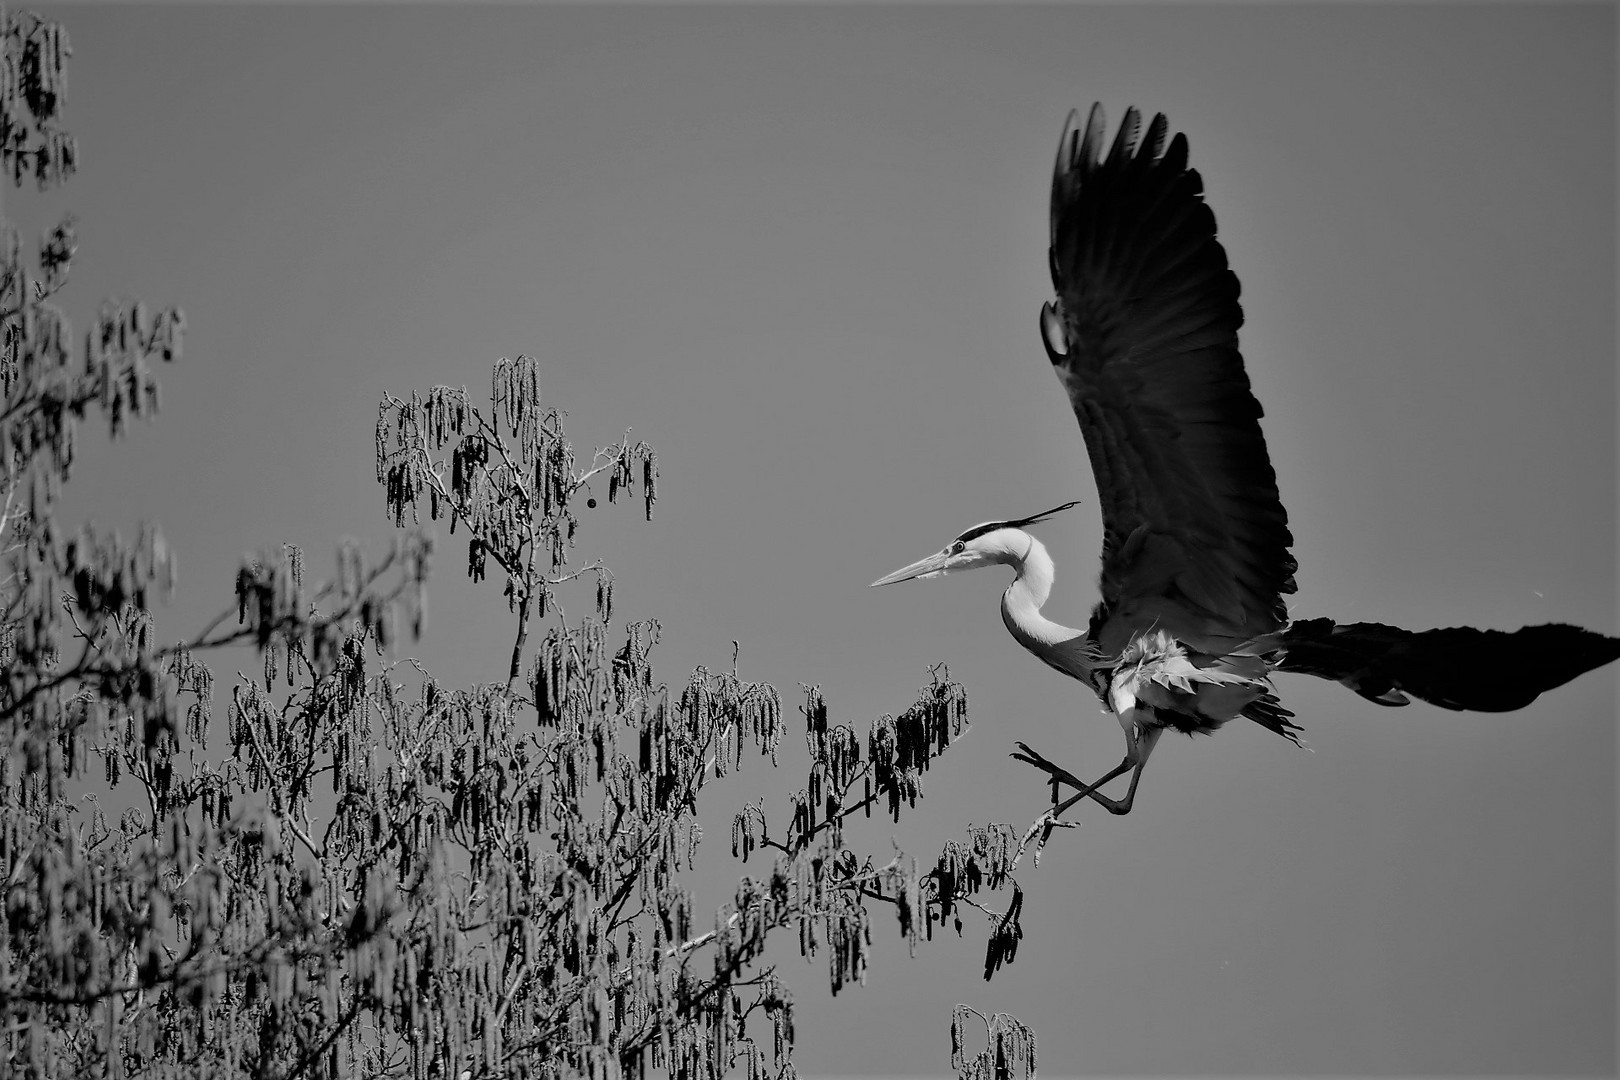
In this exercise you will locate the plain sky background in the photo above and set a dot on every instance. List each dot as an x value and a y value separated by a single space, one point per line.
802 251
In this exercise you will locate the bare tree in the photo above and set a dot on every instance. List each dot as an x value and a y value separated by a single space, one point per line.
356 870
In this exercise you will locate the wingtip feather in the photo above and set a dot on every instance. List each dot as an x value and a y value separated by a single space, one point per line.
1096 131
1125 139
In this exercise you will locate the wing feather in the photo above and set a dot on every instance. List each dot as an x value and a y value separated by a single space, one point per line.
1456 667
1195 538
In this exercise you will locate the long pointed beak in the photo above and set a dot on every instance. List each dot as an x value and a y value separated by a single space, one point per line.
934 564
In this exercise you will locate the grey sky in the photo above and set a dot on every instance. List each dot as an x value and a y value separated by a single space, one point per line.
802 252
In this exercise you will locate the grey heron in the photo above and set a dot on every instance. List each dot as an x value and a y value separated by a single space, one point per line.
1196 562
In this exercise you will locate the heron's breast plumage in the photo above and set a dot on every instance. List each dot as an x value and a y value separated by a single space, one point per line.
1185 690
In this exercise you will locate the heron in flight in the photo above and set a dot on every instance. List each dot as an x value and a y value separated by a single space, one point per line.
1195 560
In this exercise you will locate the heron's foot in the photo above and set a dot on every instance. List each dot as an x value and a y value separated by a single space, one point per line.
1057 773
1040 830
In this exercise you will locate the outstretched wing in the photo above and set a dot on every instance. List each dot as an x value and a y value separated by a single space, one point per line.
1456 667
1143 337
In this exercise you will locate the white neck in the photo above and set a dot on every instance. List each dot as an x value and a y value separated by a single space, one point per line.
1063 647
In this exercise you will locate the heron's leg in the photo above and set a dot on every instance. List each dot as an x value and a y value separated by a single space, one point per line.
1114 806
1061 775
1137 749
1139 743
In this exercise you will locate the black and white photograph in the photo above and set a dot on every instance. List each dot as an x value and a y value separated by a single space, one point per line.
447 452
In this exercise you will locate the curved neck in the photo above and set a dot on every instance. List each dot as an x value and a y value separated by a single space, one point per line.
1063 647
1035 573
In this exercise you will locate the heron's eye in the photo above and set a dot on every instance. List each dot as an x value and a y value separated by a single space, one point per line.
958 547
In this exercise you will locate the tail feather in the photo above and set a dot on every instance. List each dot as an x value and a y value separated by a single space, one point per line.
1268 712
1455 667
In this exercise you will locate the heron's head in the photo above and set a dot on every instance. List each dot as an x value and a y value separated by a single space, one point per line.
982 545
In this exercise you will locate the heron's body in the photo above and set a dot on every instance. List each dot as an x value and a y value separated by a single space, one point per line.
1153 680
1196 547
